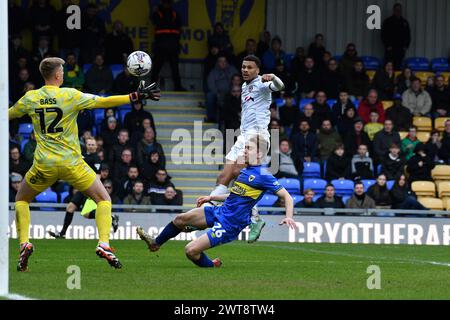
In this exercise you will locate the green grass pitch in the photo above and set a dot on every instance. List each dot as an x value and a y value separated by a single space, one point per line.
258 271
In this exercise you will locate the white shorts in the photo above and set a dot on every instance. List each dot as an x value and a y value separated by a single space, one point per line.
238 148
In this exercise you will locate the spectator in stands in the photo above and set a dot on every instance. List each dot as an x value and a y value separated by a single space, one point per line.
346 122
29 148
287 165
332 81
125 82
383 141
250 49
380 193
16 163
73 74
92 33
358 81
221 39
219 84
321 107
311 116
393 164
133 119
108 112
317 49
417 100
308 200
329 199
122 143
105 173
230 113
348 61
444 153
402 197
17 51
289 112
298 62
152 164
362 164
99 78
309 80
404 80
159 183
356 137
434 146
327 140
85 121
146 146
15 180
282 73
170 198
137 197
109 134
69 40
396 37
118 45
305 144
275 125
270 56
42 17
19 83
359 199
440 97
430 84
420 165
121 166
373 126
338 164
166 46
138 135
371 103
400 116
125 186
210 62
263 44
109 186
42 50
409 143
340 107
384 81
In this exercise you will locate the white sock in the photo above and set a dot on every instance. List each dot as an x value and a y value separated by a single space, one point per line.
219 190
255 215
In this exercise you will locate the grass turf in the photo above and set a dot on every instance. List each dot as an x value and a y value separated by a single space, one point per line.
258 271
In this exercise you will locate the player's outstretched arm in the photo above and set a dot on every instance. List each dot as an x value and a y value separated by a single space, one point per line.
276 83
289 206
206 199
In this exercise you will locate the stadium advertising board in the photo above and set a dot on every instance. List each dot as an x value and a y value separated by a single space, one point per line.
310 229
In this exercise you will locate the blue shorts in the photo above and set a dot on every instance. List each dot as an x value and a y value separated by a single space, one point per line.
222 231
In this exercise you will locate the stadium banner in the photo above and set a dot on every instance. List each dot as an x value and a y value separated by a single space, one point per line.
310 229
242 19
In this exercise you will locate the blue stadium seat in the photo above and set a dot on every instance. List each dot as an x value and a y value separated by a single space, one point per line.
123 111
331 102
304 102
268 200
47 196
390 184
418 63
345 199
86 67
343 187
99 115
368 183
371 63
440 65
317 185
116 69
355 102
25 130
297 198
279 102
379 169
311 170
291 185
22 144
338 58
62 196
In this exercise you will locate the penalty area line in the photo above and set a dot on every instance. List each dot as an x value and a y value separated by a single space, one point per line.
13 296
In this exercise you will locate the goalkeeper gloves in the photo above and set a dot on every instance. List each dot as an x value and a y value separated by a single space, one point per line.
144 92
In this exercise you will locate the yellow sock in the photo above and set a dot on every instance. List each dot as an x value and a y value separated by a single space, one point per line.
103 220
23 221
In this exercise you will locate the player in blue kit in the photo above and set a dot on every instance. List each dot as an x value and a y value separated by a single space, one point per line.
227 221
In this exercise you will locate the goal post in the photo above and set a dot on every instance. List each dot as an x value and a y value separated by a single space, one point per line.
4 151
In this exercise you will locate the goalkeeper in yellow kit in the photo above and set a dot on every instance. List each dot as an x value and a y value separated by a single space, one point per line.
54 112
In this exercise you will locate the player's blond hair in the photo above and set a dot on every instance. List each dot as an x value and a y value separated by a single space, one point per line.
49 66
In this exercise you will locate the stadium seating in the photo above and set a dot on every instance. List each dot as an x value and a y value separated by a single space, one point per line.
423 123
317 185
25 130
446 203
116 69
371 74
443 189
371 63
311 170
432 203
446 76
387 104
86 67
424 75
423 136
62 196
379 168
368 183
418 63
403 134
390 184
99 115
22 144
279 102
345 199
441 173
440 64
439 123
304 102
297 198
268 200
338 58
48 196
291 185
424 188
331 102
123 111
343 187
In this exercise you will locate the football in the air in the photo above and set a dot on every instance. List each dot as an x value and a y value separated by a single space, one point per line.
139 63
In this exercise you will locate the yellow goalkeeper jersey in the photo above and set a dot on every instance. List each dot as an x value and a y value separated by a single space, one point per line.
54 112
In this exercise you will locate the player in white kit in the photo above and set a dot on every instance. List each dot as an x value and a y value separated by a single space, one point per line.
256 99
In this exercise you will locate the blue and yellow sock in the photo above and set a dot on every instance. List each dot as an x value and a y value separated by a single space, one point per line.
169 232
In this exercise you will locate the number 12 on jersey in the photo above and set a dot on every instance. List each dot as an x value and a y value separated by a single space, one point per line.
52 127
